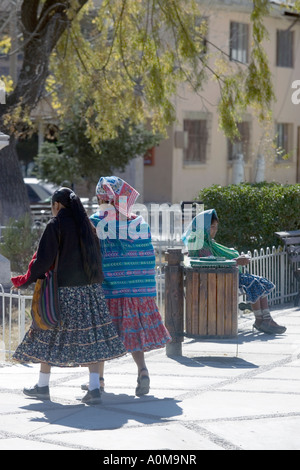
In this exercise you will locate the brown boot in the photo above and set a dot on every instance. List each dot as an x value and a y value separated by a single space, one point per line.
268 326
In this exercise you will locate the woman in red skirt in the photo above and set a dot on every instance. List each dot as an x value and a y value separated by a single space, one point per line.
128 264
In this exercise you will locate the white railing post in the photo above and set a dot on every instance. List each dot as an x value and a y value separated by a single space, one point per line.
3 313
2 341
282 278
8 334
9 325
22 318
274 265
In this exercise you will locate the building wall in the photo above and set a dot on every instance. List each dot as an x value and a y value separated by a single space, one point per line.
185 181
158 176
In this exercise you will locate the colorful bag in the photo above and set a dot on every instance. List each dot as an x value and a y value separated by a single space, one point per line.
45 309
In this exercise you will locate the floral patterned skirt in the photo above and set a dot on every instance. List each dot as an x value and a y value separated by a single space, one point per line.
138 323
254 287
86 335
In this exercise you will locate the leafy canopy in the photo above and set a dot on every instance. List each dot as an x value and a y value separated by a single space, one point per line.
73 158
126 59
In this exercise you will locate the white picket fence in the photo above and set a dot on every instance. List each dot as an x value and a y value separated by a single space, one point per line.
274 265
14 320
270 263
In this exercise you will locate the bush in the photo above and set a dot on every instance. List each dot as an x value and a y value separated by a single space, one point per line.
19 243
249 214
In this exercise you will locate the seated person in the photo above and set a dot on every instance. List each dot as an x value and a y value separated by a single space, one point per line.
199 238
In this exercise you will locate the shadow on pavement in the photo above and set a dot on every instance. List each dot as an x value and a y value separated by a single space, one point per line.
115 412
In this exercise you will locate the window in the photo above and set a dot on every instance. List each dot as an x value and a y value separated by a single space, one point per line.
4 70
199 33
285 49
239 42
240 145
283 141
197 141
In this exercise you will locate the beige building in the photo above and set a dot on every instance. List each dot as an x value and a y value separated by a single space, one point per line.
197 154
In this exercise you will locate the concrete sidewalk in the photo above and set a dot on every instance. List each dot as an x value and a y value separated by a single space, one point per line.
220 395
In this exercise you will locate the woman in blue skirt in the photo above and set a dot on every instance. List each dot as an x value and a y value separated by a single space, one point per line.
86 335
199 238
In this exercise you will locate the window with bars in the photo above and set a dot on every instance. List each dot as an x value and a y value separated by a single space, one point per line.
285 48
196 151
283 141
239 42
240 145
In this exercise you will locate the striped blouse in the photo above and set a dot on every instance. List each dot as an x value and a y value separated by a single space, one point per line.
128 258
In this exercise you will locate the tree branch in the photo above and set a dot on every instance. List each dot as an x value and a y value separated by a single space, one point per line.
29 13
38 46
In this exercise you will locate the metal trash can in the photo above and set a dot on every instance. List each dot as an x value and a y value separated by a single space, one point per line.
212 298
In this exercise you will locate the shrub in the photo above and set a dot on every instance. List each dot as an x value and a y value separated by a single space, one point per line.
19 243
249 214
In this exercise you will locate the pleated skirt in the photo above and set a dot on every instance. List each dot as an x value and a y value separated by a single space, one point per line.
138 323
255 287
86 335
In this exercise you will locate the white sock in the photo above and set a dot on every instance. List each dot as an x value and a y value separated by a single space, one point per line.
258 313
44 380
266 314
94 381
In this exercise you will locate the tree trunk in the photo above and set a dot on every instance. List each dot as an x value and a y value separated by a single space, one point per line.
40 34
13 195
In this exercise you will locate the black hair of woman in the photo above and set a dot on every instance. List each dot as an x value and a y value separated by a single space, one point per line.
87 233
214 217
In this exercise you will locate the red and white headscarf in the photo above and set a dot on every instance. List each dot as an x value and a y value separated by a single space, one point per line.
116 190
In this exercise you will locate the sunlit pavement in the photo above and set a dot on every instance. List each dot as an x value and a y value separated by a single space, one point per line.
238 394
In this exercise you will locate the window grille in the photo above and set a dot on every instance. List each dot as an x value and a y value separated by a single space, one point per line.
196 151
239 42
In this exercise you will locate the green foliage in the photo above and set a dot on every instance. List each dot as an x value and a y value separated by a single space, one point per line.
259 91
231 104
249 214
19 243
54 166
251 85
126 60
73 157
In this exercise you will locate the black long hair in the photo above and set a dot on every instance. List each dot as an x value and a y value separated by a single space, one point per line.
89 242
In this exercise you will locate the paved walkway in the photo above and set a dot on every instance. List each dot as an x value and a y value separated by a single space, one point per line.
219 395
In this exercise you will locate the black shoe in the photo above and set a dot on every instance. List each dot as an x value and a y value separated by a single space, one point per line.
42 393
93 397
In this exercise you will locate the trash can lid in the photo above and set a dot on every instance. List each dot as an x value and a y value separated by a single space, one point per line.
211 261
